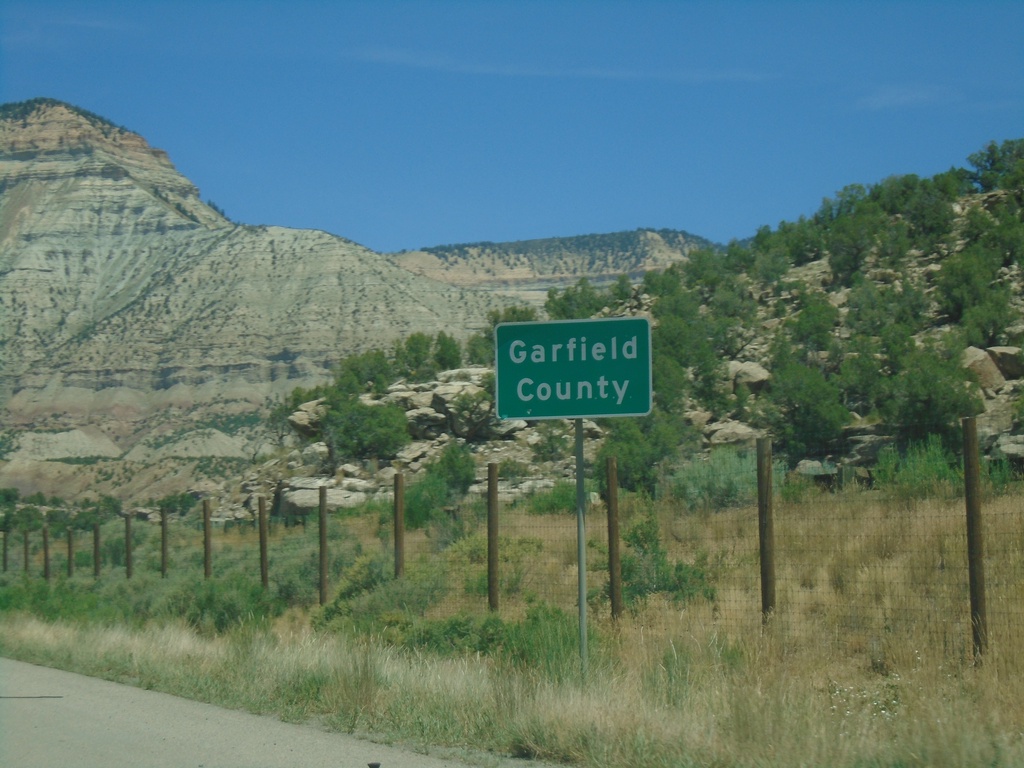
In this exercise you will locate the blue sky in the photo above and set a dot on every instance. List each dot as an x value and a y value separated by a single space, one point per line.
409 124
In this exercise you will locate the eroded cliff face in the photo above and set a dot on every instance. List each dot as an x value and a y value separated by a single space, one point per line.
123 295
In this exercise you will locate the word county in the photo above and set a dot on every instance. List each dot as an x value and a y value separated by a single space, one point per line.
574 350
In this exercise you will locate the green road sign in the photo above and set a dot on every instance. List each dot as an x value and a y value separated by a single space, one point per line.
572 369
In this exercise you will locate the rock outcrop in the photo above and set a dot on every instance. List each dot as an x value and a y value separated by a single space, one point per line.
126 300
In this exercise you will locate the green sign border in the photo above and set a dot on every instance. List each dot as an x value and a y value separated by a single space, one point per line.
623 381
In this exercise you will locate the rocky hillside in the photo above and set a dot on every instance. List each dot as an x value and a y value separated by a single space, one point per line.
531 267
125 298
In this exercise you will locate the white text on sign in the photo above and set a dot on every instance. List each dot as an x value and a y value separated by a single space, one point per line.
574 349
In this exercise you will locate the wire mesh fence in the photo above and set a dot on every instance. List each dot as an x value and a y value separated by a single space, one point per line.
880 572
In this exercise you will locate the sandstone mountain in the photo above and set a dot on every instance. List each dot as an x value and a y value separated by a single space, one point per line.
124 297
529 268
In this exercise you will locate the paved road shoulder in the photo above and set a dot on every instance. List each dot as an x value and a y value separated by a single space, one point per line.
53 718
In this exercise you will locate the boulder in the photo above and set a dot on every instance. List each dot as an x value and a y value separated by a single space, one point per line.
310 483
995 421
464 405
1011 446
980 363
503 429
315 455
734 433
306 501
749 374
408 398
425 423
814 468
1008 360
358 484
306 418
474 375
863 449
699 419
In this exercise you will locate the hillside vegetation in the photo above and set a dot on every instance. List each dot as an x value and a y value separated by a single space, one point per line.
859 315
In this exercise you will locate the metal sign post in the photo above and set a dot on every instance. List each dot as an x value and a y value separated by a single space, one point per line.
581 544
574 369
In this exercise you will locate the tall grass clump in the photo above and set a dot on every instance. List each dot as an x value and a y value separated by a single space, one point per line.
923 470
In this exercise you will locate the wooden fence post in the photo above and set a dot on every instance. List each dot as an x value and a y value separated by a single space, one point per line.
46 551
163 543
323 545
128 545
975 540
264 569
96 550
399 525
207 540
765 527
614 556
492 536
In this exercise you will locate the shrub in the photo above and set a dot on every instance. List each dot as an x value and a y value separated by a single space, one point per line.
389 607
803 411
514 470
425 499
444 482
812 327
366 573
456 467
968 293
579 301
646 568
559 500
553 443
925 469
929 395
728 478
353 429
641 447
546 641
998 166
447 352
216 606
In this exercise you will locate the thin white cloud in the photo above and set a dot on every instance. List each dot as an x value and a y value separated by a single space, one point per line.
47 32
902 96
443 63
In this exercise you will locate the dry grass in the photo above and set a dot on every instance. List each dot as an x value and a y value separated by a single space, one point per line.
867 660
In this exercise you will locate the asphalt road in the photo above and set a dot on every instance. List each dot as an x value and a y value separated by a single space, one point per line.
55 719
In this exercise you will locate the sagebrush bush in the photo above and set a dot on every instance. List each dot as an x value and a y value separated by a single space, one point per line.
727 478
